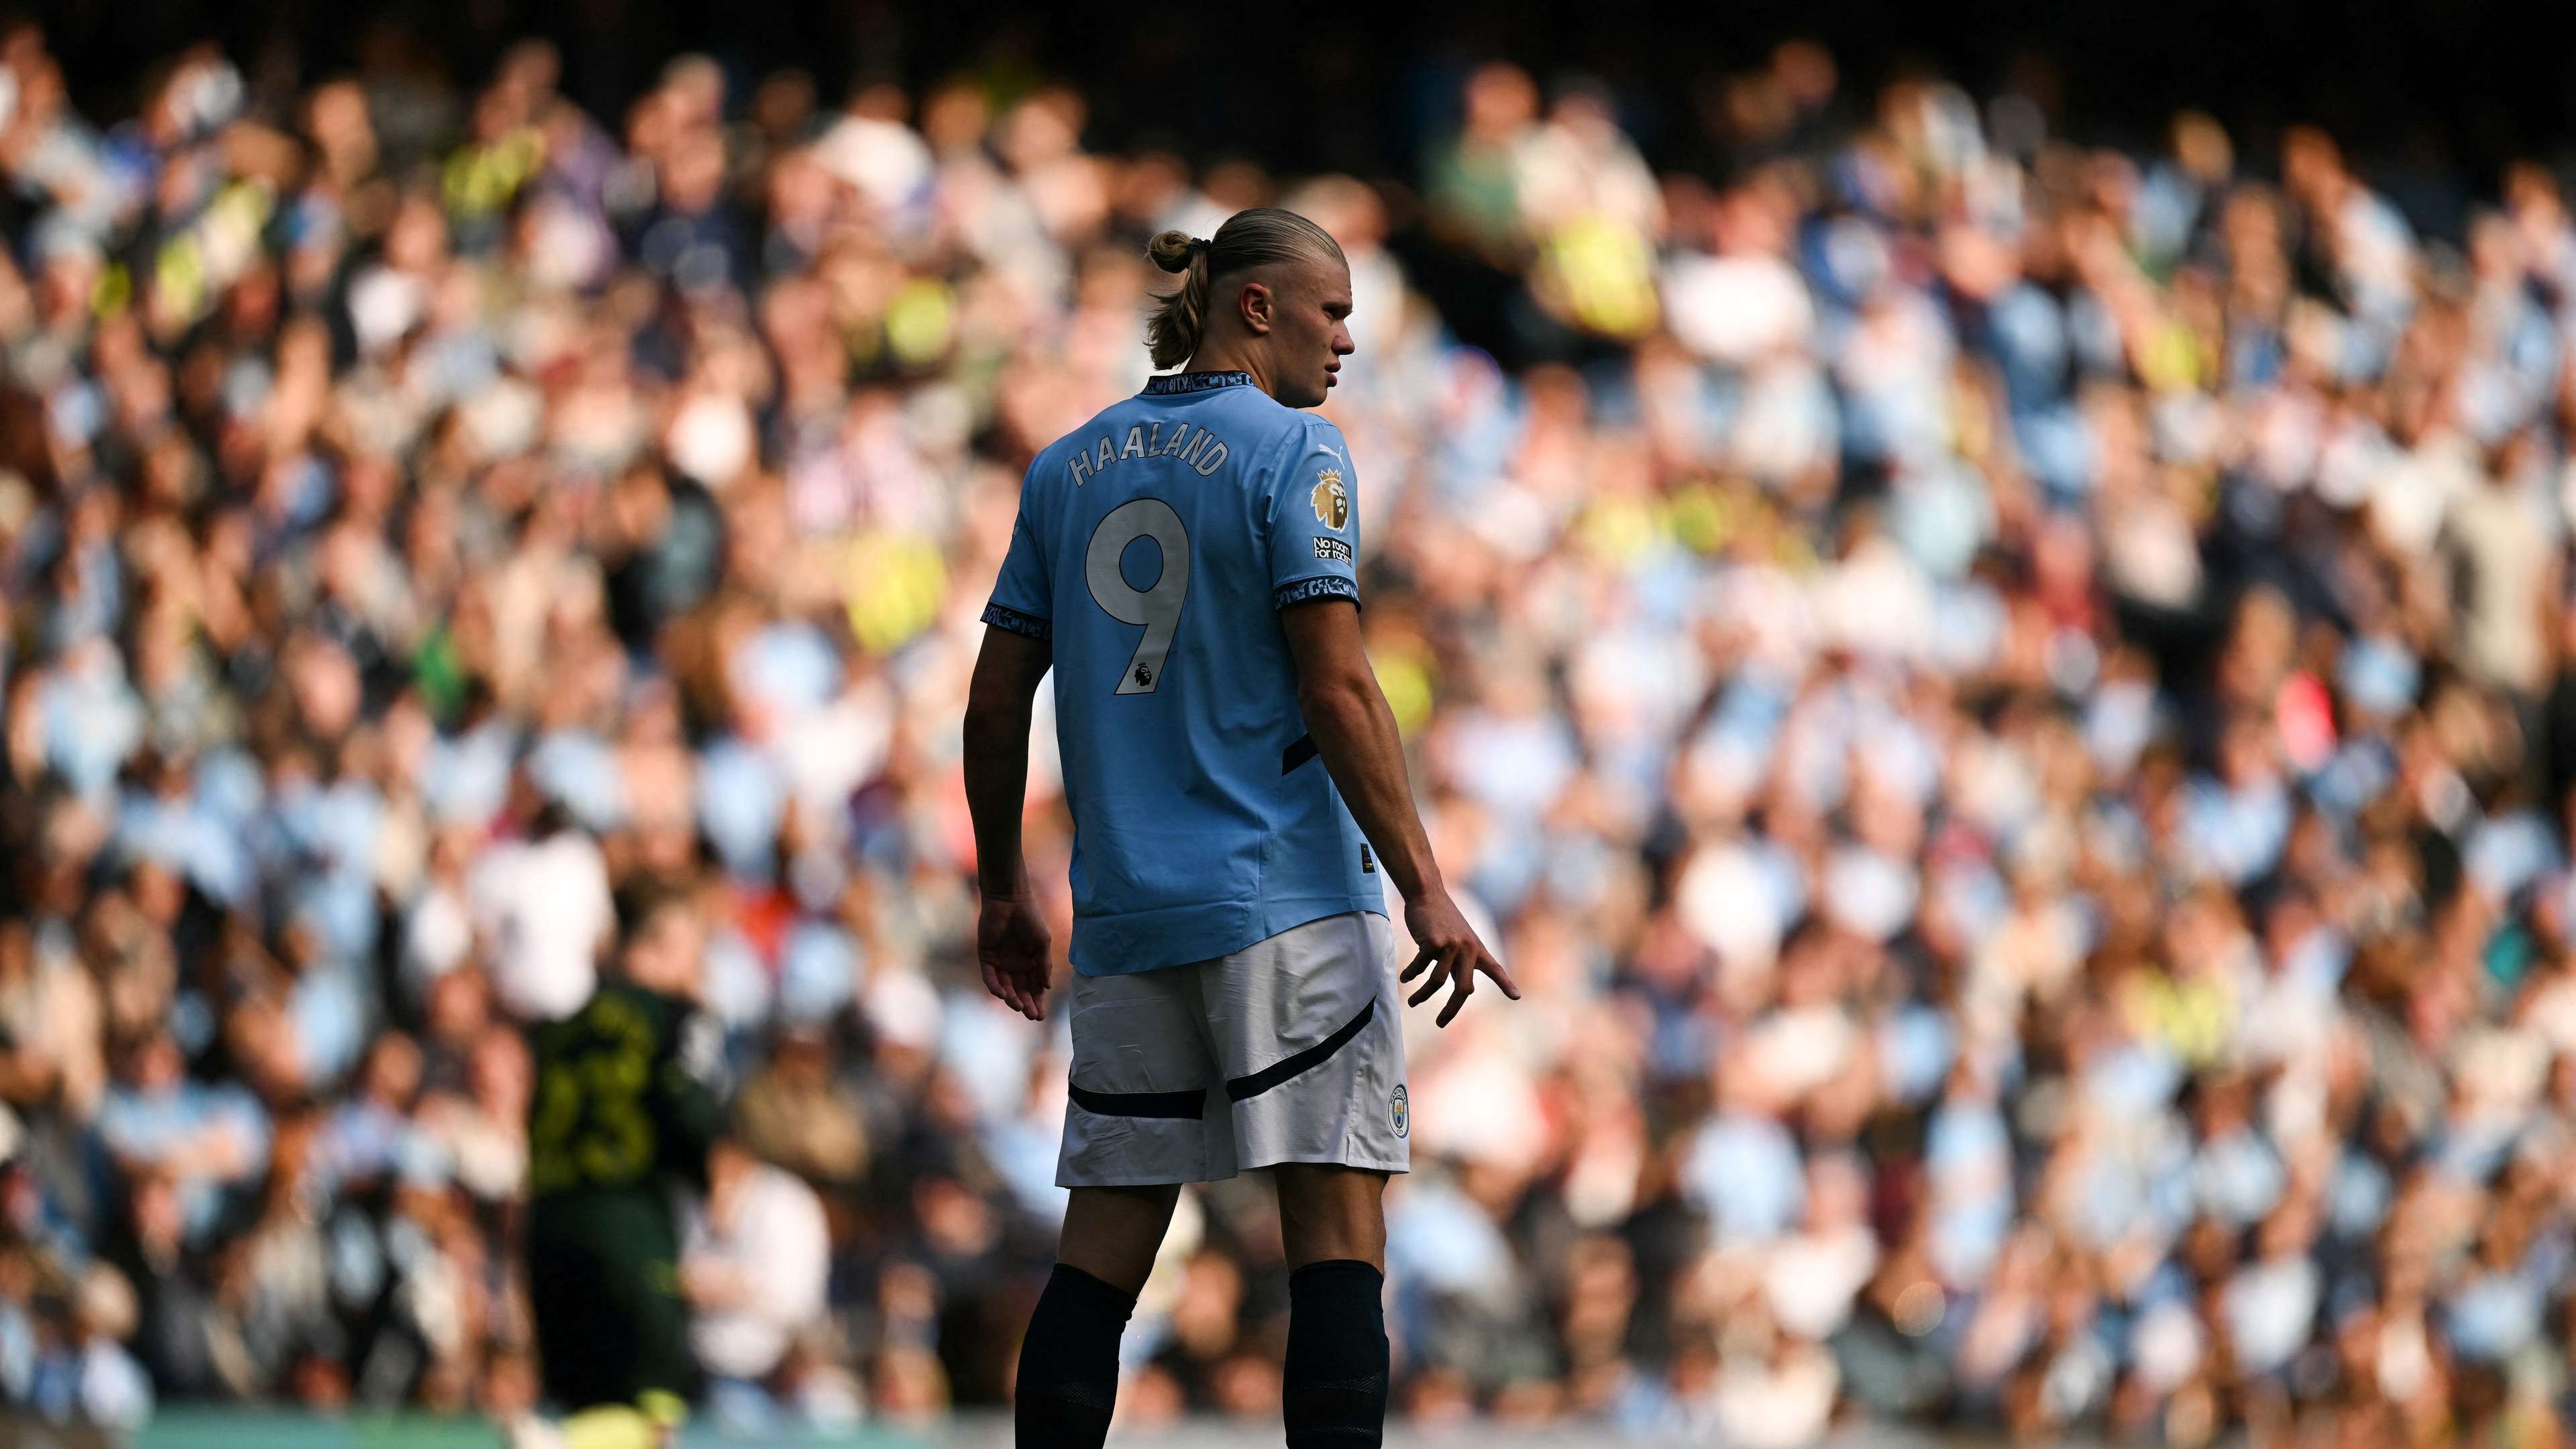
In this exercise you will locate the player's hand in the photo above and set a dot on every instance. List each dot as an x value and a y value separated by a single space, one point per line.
1448 949
1012 945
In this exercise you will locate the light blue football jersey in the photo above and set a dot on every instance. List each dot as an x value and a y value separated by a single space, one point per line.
1155 546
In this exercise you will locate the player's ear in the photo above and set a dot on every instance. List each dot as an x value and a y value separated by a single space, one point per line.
1257 305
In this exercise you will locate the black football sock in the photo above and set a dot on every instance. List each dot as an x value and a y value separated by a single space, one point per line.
1069 1363
1335 1386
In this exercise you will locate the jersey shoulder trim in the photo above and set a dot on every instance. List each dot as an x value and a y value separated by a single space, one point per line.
1002 616
1322 586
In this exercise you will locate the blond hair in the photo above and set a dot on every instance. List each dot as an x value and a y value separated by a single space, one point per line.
1250 238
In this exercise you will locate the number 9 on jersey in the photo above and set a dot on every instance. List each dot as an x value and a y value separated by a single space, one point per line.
1158 609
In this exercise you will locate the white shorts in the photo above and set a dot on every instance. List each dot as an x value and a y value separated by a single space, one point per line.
1286 1051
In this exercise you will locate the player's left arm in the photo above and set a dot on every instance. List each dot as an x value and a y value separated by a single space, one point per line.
1314 568
1011 939
689 1092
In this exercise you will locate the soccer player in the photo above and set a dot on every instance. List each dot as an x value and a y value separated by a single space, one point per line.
1187 562
624 1111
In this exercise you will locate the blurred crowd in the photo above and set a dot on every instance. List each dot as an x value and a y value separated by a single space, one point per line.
2012 706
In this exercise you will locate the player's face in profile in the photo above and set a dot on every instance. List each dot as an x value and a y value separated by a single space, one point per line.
1310 331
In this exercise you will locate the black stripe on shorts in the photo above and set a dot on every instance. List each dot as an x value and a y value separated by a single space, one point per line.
1307 1060
1184 1105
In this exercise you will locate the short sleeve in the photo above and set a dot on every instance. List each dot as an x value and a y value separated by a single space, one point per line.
1315 521
1022 601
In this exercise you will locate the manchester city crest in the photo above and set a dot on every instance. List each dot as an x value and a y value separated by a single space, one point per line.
1399 1112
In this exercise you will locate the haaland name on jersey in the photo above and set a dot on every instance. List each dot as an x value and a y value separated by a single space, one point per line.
1198 448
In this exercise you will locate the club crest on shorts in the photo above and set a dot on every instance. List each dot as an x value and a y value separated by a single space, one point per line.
1399 1112
1332 500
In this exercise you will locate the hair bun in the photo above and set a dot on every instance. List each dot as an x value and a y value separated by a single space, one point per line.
1173 250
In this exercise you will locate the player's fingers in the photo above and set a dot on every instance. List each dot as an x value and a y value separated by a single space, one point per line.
1421 959
1430 986
1006 986
1464 986
993 983
1502 978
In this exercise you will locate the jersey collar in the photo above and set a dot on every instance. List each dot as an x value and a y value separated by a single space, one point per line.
1180 382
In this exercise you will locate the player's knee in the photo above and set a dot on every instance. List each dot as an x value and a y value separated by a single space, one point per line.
1112 1233
1329 1212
